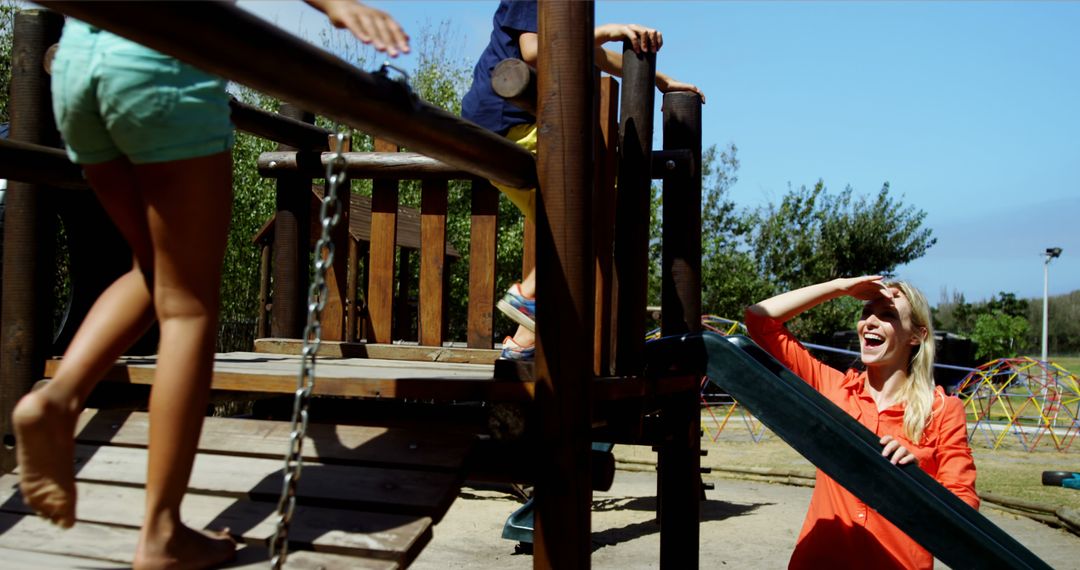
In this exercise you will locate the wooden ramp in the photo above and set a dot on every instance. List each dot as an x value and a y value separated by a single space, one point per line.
368 497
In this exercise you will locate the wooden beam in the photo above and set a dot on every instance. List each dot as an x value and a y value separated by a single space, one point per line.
515 81
278 128
386 165
372 103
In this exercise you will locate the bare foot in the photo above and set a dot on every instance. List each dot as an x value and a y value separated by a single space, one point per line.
45 449
184 549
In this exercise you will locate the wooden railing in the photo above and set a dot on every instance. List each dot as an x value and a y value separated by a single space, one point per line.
591 248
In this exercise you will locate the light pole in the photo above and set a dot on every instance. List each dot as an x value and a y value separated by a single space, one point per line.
1051 253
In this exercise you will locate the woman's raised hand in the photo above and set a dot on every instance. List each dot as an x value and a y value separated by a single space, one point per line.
865 288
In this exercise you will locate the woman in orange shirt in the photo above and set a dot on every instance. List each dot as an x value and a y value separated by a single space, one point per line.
895 397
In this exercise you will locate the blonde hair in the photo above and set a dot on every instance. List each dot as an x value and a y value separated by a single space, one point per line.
918 393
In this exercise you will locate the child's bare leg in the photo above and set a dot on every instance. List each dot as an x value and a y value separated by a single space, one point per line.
528 284
524 336
189 205
44 421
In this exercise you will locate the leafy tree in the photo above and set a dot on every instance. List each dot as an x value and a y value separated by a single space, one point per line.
8 8
1063 324
729 276
814 236
729 279
998 334
999 326
253 205
1008 304
954 314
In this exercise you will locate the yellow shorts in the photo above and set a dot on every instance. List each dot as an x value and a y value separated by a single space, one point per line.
524 199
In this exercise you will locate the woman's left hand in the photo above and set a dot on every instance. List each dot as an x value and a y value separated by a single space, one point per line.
897 454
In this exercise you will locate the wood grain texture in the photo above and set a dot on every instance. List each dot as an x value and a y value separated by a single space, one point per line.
380 295
483 233
432 261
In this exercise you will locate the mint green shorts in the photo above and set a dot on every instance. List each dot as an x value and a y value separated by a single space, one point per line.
113 97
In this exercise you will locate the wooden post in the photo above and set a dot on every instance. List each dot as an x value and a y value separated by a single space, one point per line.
363 321
380 298
351 310
292 245
433 204
604 220
337 275
482 234
403 316
29 224
632 209
679 481
679 459
528 247
681 277
565 273
262 325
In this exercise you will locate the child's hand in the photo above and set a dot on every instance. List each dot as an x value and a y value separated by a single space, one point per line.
641 38
896 454
667 85
369 25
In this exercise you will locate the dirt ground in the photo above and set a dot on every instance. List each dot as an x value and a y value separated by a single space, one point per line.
745 524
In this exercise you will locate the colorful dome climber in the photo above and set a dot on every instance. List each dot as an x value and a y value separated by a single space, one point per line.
1023 397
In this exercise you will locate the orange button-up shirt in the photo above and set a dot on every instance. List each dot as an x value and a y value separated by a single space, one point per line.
840 531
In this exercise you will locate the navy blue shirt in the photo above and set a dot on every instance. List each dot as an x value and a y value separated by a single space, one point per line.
481 105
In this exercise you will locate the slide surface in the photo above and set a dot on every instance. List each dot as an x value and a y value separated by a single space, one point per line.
848 452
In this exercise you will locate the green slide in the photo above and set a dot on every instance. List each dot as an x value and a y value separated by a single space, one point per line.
832 440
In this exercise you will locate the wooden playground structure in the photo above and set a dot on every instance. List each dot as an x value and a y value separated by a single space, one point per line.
396 429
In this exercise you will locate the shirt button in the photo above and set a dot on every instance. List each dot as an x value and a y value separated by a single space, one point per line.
861 515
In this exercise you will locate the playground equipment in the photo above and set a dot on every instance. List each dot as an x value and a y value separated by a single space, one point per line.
837 444
388 453
416 446
1023 397
1067 479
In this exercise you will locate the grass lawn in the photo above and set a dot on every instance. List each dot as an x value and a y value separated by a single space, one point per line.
1009 473
1070 363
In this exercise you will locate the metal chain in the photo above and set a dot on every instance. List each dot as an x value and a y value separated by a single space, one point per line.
329 214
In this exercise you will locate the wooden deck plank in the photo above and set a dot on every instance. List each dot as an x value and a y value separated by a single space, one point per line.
332 349
443 449
42 561
385 490
354 533
107 546
351 377
360 377
258 558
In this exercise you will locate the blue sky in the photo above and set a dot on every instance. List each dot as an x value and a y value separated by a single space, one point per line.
970 110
